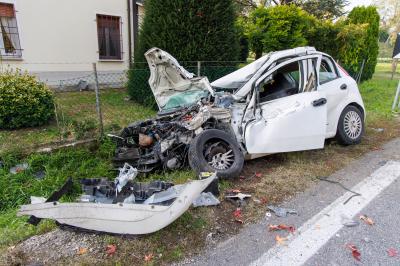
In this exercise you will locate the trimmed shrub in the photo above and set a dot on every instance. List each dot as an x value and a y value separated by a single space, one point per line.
367 15
194 31
321 35
351 46
277 28
24 102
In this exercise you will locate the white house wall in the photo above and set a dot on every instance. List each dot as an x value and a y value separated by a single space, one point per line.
59 37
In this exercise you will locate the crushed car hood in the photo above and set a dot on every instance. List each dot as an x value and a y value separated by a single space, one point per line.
172 85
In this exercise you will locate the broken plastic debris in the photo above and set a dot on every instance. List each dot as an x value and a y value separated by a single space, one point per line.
351 223
82 251
37 200
19 168
281 212
239 196
126 173
206 199
111 249
164 196
280 240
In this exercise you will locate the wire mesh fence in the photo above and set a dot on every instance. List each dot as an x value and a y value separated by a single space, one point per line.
80 96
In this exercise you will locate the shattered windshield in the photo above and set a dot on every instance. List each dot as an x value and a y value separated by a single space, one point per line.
185 98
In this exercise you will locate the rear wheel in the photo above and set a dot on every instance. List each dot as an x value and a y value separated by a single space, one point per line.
216 151
351 126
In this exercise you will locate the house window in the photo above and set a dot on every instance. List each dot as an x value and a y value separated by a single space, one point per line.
109 35
9 38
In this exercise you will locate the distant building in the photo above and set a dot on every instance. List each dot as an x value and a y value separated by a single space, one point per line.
60 39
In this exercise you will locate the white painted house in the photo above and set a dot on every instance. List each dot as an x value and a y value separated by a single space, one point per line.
60 39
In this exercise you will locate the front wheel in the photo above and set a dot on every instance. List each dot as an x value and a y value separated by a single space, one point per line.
351 126
216 151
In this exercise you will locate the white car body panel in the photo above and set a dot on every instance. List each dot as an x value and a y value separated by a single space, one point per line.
288 124
135 219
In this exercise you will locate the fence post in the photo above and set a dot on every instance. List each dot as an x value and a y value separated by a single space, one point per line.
361 72
98 107
198 68
396 98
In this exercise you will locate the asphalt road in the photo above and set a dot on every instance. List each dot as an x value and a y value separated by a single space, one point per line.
321 235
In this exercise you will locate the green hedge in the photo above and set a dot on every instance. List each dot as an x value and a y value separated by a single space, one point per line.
24 102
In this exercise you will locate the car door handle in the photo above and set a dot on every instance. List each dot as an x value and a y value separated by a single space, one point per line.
343 87
319 102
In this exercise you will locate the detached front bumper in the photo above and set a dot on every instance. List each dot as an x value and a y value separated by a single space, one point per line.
121 218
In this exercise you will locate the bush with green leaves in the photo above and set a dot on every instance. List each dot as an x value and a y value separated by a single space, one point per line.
193 31
276 28
24 102
370 16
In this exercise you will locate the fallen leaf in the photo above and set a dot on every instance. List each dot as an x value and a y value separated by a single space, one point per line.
367 220
354 251
279 227
280 240
148 258
264 200
237 213
82 251
392 252
258 175
111 249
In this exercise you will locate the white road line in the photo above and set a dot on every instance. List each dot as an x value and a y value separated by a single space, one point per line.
313 234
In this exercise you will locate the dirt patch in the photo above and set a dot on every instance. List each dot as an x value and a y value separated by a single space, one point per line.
280 177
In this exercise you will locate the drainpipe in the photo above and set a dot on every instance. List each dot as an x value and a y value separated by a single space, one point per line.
129 33
135 24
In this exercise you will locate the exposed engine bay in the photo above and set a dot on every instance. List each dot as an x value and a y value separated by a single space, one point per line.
164 142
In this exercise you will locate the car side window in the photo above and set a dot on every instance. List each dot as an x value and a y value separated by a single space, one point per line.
327 71
285 81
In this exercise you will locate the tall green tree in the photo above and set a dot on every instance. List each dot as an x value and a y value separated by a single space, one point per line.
324 9
190 30
367 15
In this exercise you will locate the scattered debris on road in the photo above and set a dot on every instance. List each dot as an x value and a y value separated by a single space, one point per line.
367 219
19 168
281 212
206 199
355 194
273 227
354 251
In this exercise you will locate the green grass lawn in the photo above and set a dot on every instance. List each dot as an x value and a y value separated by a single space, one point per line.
95 161
77 119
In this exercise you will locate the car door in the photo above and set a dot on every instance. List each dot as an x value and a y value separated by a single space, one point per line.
293 122
335 88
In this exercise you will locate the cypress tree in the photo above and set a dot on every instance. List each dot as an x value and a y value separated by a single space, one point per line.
367 15
189 30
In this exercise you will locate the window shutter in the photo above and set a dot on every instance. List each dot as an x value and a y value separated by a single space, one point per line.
7 10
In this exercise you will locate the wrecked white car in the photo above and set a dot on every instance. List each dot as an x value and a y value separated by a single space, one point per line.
285 101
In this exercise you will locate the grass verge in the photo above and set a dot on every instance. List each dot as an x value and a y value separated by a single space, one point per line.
282 175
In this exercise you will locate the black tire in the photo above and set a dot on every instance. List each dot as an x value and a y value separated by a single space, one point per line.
344 135
217 142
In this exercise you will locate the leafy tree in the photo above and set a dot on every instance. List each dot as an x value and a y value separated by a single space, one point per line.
352 42
324 9
276 28
189 30
322 35
370 16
